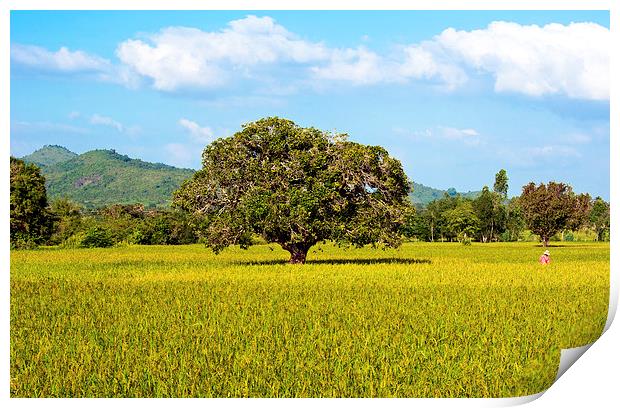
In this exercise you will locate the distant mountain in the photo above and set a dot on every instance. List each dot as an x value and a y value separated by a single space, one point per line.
423 195
49 155
102 177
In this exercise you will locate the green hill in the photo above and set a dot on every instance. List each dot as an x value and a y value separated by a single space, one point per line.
102 177
423 195
49 155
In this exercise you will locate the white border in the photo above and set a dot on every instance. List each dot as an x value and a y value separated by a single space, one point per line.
591 381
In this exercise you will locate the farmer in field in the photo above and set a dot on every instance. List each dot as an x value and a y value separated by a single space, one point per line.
544 258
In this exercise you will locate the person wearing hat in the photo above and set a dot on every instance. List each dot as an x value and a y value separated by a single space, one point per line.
544 258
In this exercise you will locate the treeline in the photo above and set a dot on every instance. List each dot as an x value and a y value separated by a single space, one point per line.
36 222
75 227
542 212
546 212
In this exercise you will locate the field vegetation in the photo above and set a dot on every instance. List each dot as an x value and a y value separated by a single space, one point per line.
424 320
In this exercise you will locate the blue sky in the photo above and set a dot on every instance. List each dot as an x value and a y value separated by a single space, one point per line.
455 95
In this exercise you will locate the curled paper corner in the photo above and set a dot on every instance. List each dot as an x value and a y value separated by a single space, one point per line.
568 358
514 401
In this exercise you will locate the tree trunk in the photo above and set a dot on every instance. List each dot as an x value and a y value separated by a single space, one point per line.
545 241
298 252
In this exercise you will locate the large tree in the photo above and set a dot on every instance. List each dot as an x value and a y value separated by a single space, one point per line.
30 220
548 209
296 187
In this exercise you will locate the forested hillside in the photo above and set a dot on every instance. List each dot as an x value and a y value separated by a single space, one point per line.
102 177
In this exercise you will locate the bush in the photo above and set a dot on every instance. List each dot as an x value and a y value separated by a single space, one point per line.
23 241
74 241
97 237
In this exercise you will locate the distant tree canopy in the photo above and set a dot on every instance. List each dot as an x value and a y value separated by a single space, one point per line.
600 217
296 187
461 221
491 213
548 209
30 220
501 184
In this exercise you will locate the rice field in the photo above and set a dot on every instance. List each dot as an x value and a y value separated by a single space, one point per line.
426 320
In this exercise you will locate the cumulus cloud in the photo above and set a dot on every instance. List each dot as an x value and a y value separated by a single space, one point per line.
428 62
568 60
571 60
200 134
180 57
358 66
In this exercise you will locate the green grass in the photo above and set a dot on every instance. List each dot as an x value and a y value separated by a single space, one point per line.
427 320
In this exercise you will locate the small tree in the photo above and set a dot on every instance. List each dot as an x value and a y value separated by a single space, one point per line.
550 208
599 217
462 221
67 217
491 213
515 223
30 220
501 184
296 187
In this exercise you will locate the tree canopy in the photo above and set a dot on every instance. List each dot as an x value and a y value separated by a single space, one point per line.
548 209
501 184
599 217
296 186
30 220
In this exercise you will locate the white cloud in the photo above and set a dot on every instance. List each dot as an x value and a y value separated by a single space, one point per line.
426 62
74 115
27 127
182 57
549 151
555 59
458 134
571 60
468 136
97 119
61 61
533 156
579 138
358 66
200 134
67 62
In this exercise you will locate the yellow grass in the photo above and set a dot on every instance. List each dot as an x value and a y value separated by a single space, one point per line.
426 320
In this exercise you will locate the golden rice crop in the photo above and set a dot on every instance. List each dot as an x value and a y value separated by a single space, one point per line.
426 320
